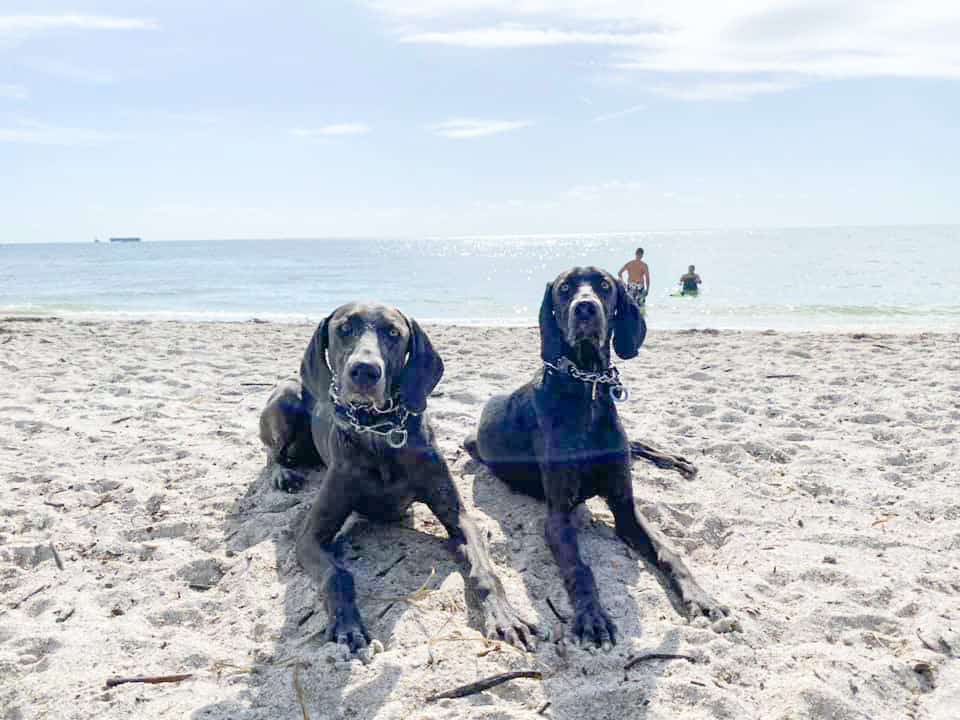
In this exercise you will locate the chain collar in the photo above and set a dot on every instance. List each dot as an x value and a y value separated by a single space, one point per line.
610 376
388 423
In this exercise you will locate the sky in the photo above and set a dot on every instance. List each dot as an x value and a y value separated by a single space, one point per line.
176 119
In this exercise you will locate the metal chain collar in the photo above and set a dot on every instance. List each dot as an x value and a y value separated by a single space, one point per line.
611 376
364 418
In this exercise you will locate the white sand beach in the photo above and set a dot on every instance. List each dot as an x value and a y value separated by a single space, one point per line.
826 514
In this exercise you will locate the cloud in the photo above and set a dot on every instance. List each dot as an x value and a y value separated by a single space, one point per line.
819 40
740 90
13 92
35 134
28 24
68 71
332 130
520 37
620 113
466 128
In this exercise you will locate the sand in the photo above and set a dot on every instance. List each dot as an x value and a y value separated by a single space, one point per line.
826 514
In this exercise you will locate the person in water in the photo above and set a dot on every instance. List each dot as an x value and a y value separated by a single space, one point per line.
638 278
690 283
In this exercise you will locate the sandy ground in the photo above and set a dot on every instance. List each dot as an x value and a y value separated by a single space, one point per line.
826 514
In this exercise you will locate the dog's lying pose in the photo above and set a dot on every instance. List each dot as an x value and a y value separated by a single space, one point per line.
559 438
360 416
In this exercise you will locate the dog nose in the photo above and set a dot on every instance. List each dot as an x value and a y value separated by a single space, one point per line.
585 310
365 374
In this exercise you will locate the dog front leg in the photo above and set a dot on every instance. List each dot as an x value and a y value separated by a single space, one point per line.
591 621
321 557
634 529
501 620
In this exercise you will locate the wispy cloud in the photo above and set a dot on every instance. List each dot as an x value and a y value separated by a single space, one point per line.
704 91
68 71
13 92
35 134
521 37
25 24
620 113
466 128
762 39
332 130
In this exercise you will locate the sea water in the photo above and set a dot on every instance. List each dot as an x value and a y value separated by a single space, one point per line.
881 278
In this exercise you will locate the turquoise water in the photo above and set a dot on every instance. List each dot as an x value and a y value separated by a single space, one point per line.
897 278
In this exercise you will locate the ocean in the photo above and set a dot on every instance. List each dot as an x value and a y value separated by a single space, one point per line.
876 278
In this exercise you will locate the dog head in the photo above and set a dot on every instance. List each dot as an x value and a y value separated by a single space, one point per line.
374 353
582 310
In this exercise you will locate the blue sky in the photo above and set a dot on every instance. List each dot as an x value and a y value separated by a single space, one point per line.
188 120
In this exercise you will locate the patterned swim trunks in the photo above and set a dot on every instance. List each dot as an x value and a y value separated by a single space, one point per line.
638 293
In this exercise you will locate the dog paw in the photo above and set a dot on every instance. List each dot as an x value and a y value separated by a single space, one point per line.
345 627
503 622
289 480
592 624
698 604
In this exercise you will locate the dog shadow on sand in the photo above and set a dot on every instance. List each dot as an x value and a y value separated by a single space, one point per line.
411 597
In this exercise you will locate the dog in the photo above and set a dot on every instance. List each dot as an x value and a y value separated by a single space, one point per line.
357 416
559 438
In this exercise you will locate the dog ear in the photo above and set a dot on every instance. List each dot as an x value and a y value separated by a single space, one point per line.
315 373
551 340
422 372
629 327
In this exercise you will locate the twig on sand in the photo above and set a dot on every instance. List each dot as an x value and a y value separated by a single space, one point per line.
544 707
7 339
422 593
29 595
391 566
102 501
783 376
299 689
658 656
252 384
56 556
150 679
485 684
57 505
123 419
664 460
562 618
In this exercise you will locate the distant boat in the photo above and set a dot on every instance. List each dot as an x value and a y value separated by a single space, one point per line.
126 239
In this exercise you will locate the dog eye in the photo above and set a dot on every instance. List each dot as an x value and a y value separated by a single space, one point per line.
564 288
345 329
605 285
394 333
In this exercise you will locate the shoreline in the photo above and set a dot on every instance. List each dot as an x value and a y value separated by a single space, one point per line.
294 321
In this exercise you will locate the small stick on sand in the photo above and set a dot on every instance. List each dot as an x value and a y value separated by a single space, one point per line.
299 688
149 679
662 459
560 617
544 708
781 377
56 556
257 384
29 595
485 684
657 656
120 420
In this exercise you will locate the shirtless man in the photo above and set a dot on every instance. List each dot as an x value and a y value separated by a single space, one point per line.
638 278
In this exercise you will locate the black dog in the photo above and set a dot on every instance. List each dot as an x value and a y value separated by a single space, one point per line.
362 417
559 438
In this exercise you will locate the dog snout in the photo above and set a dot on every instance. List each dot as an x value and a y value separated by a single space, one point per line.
365 374
586 310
